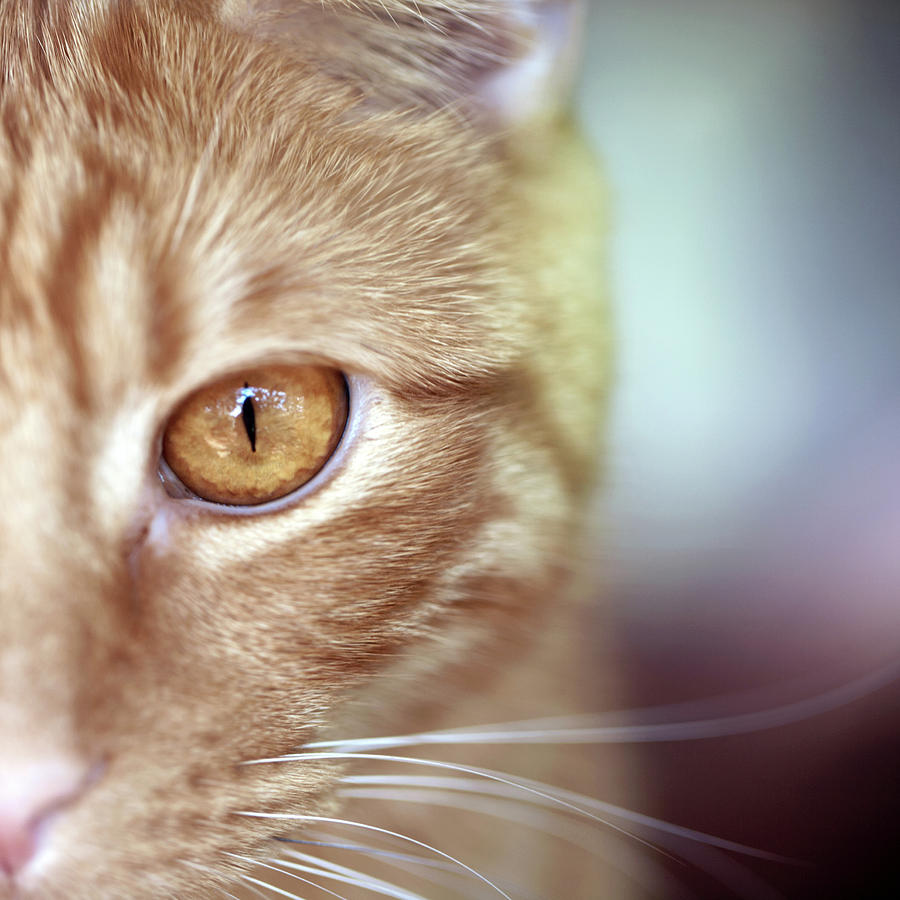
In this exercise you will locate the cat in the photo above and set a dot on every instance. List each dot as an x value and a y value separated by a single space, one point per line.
304 353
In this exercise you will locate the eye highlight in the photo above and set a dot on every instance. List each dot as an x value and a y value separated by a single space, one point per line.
258 435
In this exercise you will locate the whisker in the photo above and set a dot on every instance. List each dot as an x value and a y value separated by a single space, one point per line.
591 729
532 787
327 869
511 811
269 887
660 825
577 803
477 786
647 872
299 817
374 851
525 732
435 871
741 881
266 865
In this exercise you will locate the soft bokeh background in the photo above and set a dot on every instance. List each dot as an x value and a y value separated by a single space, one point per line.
753 497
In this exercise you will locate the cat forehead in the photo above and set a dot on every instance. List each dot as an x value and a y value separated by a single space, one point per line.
239 207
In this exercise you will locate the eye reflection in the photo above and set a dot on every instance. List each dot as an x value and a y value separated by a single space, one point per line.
248 415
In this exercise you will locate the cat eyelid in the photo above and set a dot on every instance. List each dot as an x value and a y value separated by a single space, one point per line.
358 390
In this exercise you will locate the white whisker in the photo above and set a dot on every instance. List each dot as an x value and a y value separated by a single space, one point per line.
711 860
482 737
269 887
477 786
435 871
591 729
326 869
740 881
267 865
299 817
511 812
356 847
510 809
619 849
548 792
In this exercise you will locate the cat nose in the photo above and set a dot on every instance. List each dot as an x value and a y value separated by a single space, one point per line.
32 794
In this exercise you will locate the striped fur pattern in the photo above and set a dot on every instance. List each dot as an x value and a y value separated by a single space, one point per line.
190 188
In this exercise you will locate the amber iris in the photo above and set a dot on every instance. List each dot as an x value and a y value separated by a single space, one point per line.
257 435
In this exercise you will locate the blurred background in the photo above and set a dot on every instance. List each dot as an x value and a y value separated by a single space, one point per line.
753 493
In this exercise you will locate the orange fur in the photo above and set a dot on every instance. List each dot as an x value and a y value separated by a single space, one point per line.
188 189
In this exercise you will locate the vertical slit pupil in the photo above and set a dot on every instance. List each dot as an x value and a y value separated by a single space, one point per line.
248 415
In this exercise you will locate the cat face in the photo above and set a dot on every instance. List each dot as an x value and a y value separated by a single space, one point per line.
184 206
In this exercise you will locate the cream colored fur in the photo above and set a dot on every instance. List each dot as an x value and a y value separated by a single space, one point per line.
190 188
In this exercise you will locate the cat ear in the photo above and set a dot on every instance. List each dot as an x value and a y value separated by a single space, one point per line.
540 77
502 60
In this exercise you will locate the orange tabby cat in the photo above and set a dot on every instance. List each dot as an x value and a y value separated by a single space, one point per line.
301 358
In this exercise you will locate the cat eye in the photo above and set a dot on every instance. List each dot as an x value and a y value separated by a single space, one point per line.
258 435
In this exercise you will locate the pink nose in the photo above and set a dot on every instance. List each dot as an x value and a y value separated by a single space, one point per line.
31 795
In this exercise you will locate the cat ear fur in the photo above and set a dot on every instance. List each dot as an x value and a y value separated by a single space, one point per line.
542 76
502 60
